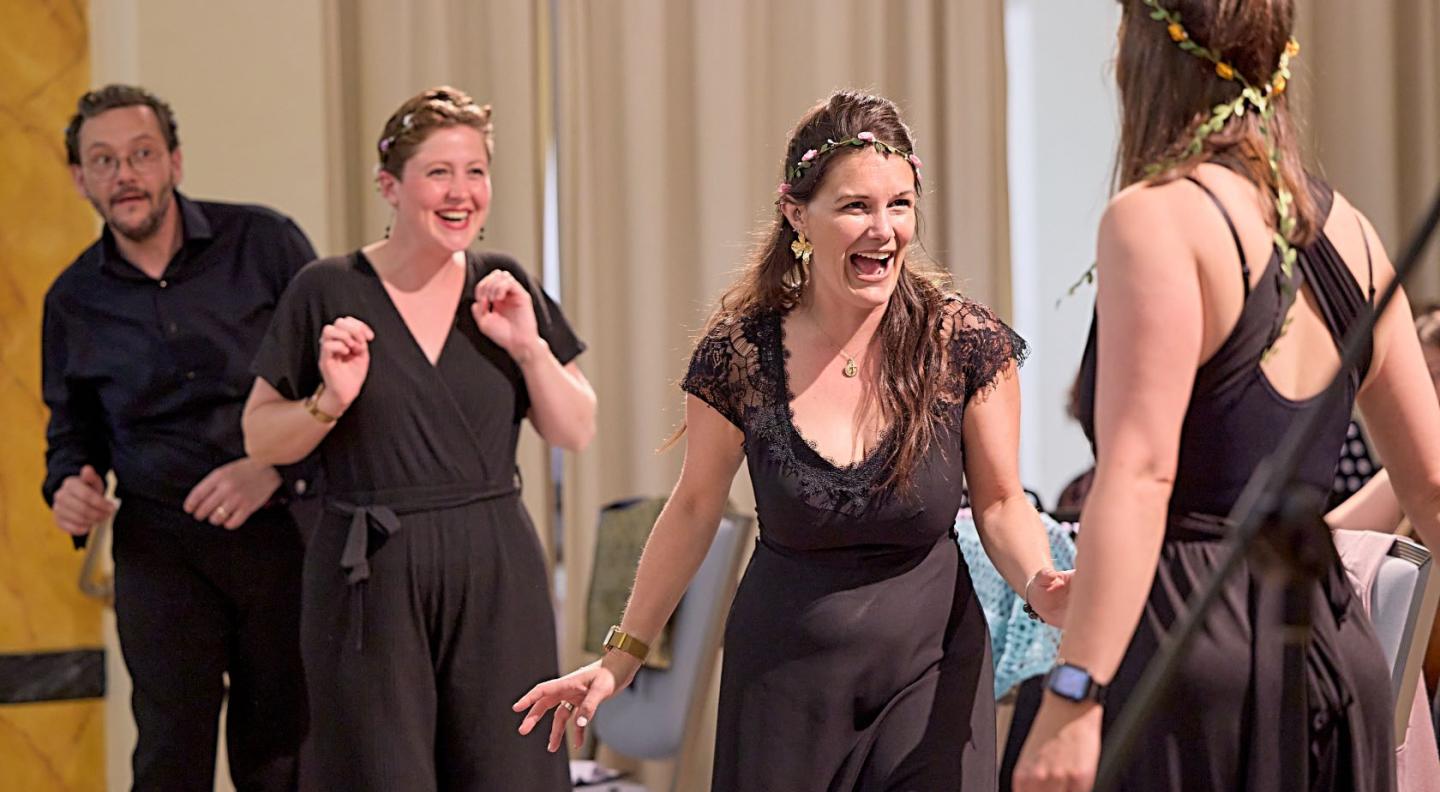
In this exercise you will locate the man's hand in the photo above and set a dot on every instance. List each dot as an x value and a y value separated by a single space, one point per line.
80 503
232 492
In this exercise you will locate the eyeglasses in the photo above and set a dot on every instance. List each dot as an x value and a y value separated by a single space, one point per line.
104 166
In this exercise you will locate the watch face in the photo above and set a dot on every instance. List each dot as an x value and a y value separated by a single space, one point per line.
1070 682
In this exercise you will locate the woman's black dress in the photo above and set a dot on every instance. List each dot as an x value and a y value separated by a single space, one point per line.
856 654
426 610
1218 728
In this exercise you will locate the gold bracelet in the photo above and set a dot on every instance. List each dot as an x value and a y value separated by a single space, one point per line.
312 406
627 643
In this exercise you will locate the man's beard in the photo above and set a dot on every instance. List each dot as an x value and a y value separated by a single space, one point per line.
150 223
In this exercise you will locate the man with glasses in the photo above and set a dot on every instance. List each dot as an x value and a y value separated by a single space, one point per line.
148 339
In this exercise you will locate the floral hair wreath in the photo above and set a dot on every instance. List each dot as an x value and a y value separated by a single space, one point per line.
812 156
389 140
1261 99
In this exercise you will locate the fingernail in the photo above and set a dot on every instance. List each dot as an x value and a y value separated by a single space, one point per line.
581 721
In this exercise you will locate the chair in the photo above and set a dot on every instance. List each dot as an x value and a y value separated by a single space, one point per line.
1435 715
1402 606
647 720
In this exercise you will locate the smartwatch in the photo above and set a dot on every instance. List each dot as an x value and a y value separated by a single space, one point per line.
1073 683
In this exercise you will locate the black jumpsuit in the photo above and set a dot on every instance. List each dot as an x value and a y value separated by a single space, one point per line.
426 610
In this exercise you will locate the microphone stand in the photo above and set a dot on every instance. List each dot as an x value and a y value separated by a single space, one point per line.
1279 524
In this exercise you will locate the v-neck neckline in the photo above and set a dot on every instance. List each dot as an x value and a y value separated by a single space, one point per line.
400 317
787 397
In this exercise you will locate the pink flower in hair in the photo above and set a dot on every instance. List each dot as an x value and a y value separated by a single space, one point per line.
915 161
784 188
868 137
809 155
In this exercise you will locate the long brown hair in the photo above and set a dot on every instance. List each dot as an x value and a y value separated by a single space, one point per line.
774 280
1165 93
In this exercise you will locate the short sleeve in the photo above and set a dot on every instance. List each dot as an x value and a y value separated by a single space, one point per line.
289 355
718 369
550 321
979 348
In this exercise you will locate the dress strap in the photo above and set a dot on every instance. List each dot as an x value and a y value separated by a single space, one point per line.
1369 260
1234 235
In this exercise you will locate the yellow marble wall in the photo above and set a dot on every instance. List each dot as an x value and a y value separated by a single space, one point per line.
44 57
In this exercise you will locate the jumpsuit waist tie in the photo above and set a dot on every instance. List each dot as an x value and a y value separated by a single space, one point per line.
379 512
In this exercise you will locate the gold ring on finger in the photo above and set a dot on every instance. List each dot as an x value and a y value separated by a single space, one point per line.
567 705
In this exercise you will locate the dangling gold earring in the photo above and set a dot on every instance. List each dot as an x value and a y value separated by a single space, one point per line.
801 248
481 235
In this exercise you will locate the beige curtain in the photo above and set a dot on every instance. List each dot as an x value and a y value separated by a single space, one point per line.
381 52
673 116
1370 93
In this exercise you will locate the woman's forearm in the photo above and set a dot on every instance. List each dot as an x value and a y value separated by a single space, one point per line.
1118 547
1014 539
562 403
283 432
1373 508
676 548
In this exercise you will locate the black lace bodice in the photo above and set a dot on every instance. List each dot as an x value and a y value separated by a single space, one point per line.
806 501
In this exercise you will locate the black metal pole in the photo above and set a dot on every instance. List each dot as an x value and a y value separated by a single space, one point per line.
1257 506
1294 707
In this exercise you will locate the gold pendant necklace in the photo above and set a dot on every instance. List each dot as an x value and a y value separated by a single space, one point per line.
850 370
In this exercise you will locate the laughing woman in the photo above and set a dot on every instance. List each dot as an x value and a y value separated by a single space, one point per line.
861 394
410 364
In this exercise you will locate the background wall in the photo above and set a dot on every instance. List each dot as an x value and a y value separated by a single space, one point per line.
50 745
1062 137
249 86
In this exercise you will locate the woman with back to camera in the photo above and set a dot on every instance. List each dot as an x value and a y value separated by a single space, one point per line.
1228 278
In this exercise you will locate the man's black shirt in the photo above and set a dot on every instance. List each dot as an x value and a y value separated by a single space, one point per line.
148 376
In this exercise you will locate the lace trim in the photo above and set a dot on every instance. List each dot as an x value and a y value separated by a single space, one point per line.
739 368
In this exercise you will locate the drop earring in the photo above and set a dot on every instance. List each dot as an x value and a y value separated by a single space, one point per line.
801 248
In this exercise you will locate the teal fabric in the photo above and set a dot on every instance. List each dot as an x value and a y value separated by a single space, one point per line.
1020 646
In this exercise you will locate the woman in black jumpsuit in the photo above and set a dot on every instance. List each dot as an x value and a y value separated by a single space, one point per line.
425 604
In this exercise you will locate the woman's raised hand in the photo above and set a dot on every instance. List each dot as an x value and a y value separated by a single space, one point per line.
345 358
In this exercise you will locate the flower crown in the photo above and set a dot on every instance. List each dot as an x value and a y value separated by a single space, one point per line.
1260 98
405 123
812 156
389 140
